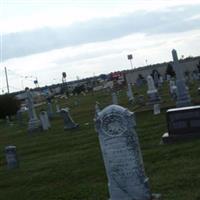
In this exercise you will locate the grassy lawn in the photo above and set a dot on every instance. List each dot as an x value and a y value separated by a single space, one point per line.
67 165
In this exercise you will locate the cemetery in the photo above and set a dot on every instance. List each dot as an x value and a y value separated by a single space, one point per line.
133 142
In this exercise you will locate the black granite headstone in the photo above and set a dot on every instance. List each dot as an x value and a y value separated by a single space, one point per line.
183 123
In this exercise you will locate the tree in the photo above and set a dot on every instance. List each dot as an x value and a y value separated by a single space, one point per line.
170 71
9 105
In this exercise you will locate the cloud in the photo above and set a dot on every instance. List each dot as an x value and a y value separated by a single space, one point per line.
171 20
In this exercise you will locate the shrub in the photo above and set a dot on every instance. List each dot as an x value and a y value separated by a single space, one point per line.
8 105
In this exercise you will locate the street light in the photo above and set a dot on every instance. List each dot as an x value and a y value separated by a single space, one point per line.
130 57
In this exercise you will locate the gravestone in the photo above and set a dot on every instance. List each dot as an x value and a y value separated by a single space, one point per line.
33 124
156 78
183 97
173 89
156 109
68 121
168 77
8 120
183 124
57 106
44 119
152 91
114 98
130 93
50 110
121 154
11 157
77 102
139 82
160 81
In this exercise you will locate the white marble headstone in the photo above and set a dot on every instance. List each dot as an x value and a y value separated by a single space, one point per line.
44 119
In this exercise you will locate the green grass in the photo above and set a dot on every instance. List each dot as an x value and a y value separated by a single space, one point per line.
67 165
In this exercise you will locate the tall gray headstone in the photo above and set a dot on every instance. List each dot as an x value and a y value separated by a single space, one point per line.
68 121
152 91
44 119
183 97
33 124
121 153
11 157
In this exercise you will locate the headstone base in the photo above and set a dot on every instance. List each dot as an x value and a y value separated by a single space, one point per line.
34 126
169 139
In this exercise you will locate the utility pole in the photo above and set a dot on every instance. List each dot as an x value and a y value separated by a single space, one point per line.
7 80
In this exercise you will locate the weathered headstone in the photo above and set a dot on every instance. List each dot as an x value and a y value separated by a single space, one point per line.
68 121
57 106
11 157
121 153
130 93
33 124
77 102
152 91
183 124
50 110
156 109
156 78
168 77
44 119
183 97
160 81
8 120
173 89
114 98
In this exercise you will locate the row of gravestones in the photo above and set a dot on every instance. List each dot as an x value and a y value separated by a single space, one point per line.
35 124
120 146
178 89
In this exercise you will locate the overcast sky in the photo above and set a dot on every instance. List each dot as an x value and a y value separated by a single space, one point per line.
43 38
